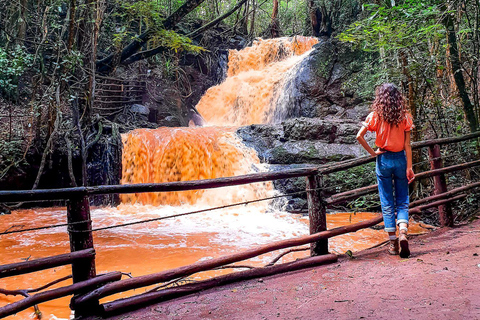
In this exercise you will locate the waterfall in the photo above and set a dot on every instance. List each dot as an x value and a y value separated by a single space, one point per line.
255 76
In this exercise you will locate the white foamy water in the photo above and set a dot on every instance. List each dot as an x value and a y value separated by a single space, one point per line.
241 226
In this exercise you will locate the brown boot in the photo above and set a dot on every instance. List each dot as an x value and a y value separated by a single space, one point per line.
404 250
393 247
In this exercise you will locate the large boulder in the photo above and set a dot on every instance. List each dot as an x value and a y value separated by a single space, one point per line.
303 140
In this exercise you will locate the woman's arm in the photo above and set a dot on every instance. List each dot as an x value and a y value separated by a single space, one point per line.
408 152
361 139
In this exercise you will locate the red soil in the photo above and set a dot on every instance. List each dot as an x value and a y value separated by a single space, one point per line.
439 281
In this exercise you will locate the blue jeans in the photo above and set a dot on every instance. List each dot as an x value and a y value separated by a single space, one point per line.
391 171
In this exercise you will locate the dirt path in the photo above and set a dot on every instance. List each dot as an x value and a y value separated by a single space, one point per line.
441 280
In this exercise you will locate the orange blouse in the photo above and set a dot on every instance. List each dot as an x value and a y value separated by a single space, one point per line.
390 137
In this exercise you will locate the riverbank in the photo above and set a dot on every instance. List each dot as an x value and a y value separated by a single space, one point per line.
439 281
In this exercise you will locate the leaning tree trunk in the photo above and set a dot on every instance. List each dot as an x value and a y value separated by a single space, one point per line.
458 73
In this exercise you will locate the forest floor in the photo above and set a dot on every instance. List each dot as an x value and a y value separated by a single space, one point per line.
441 280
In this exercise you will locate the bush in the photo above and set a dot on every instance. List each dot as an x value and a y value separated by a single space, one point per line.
12 65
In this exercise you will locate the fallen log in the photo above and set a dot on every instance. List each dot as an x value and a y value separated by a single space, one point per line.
14 269
167 275
170 293
23 304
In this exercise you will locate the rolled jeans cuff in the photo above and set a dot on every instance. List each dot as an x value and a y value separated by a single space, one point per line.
390 229
402 221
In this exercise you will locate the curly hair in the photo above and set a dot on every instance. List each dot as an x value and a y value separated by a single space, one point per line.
389 104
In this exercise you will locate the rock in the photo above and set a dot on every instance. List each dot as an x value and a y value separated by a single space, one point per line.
315 87
358 112
310 129
4 209
317 152
297 205
261 137
171 121
303 140
140 109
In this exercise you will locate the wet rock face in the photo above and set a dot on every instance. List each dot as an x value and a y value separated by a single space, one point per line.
303 140
315 87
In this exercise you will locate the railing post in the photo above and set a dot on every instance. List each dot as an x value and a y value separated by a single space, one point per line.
316 214
79 231
440 185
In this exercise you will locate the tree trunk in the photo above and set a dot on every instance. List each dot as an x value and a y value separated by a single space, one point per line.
458 72
22 22
244 20
315 17
275 24
252 21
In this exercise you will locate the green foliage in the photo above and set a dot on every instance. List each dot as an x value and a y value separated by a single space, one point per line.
368 202
404 25
373 74
71 61
352 178
174 41
149 14
11 154
12 65
292 17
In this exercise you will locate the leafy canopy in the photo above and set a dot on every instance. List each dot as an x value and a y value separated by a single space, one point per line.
401 26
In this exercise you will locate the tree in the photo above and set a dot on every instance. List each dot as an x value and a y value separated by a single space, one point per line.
109 63
414 33
457 69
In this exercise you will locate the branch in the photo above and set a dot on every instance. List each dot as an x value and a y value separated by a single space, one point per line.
14 292
175 282
284 254
144 55
163 295
49 284
70 161
214 22
106 64
235 266
25 292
